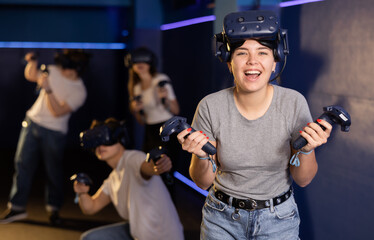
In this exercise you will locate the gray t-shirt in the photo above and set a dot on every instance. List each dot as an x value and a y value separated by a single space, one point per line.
253 155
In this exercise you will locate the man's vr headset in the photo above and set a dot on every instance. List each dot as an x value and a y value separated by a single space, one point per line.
103 135
65 61
141 55
260 25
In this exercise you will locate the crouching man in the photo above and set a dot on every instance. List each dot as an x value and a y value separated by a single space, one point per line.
134 187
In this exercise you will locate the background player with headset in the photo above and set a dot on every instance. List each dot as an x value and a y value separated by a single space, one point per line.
152 101
152 98
44 130
134 188
252 125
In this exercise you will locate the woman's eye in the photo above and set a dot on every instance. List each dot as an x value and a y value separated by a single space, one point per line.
263 53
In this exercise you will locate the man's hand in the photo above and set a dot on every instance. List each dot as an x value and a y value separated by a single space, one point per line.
30 56
162 165
80 187
43 82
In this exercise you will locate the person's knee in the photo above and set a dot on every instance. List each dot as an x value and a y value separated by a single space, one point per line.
84 236
89 235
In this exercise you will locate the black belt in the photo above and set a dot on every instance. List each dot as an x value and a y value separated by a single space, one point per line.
252 204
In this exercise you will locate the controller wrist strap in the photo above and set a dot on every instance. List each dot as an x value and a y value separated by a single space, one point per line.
295 158
211 160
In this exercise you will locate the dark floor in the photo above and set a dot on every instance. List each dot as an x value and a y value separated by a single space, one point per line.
37 227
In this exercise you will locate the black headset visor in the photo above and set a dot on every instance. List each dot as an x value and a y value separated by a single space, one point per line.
100 135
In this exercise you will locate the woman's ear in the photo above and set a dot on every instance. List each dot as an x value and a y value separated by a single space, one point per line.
274 67
229 66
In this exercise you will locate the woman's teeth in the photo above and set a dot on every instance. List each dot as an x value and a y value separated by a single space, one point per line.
252 73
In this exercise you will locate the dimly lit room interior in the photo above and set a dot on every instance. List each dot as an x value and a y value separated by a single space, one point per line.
331 46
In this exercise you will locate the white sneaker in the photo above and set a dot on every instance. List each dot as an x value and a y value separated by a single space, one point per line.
10 215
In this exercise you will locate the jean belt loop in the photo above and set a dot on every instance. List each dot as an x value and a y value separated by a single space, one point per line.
230 201
271 205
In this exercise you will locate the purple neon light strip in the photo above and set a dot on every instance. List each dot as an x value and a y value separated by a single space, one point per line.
187 22
190 183
297 2
212 17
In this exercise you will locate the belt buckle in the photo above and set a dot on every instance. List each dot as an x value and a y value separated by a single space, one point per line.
253 204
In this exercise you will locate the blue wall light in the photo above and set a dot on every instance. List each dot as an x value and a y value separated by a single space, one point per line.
63 45
125 33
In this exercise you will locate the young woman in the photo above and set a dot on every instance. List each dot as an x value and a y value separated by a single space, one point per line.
152 102
152 99
252 125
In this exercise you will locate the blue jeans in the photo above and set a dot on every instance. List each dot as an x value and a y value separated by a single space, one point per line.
277 222
35 143
117 231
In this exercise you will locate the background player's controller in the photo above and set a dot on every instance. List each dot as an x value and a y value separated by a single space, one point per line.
176 125
44 69
155 155
81 178
333 115
162 84
138 99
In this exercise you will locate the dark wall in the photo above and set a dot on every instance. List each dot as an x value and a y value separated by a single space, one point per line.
63 23
179 10
332 46
188 62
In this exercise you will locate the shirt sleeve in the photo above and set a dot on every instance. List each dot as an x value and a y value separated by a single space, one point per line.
302 116
135 163
77 97
168 86
202 119
104 187
171 93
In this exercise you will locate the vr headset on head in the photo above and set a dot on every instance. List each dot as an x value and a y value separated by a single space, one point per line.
103 135
260 25
64 60
141 55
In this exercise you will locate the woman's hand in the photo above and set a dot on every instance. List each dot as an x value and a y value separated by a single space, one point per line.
315 135
136 105
193 142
